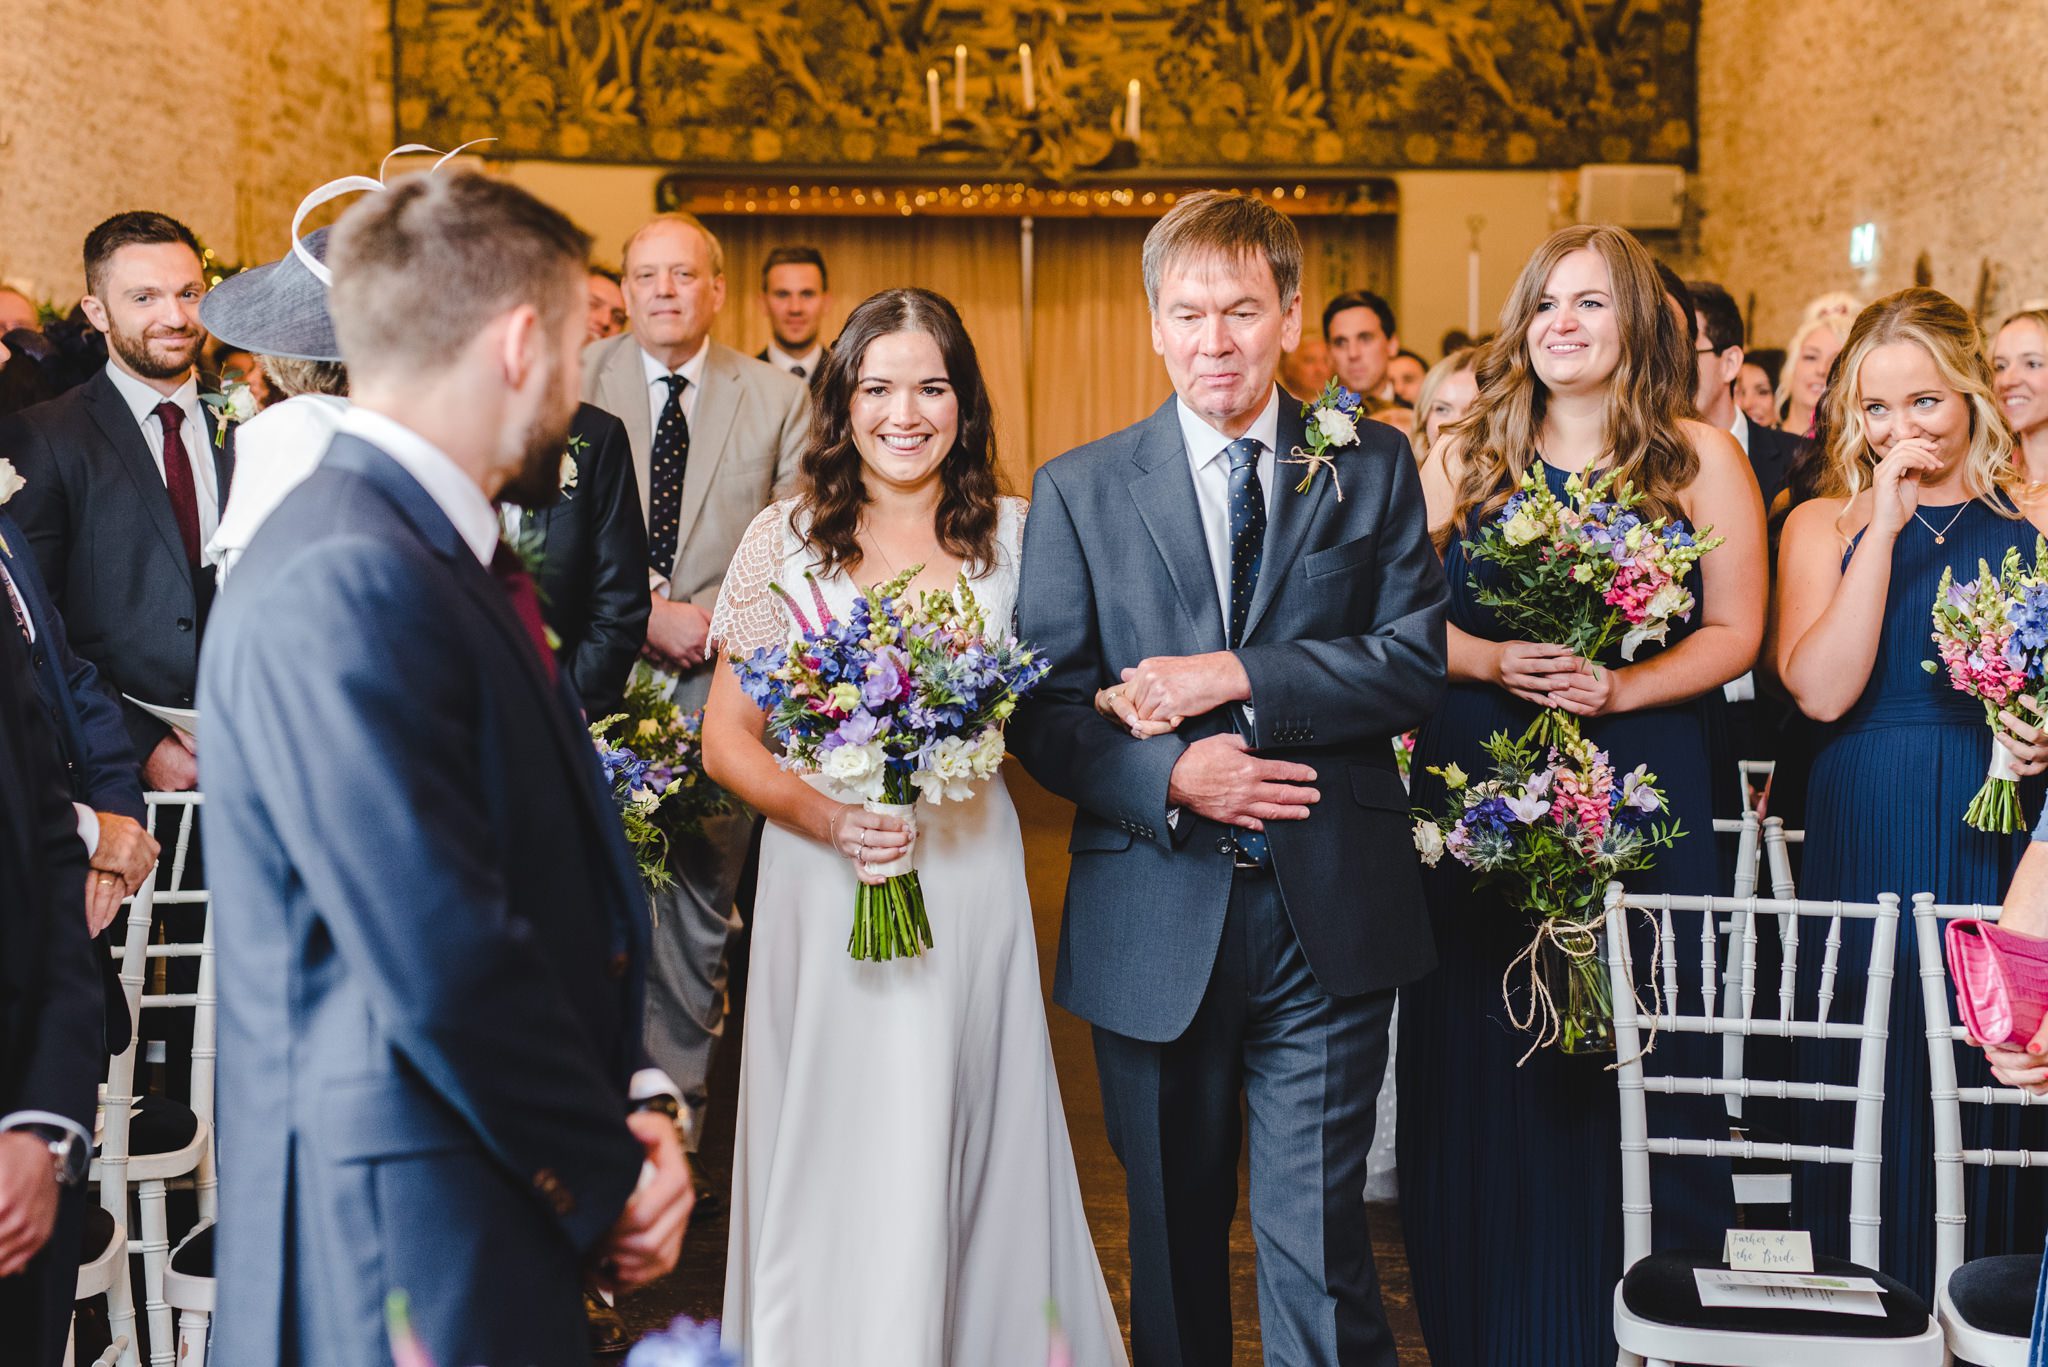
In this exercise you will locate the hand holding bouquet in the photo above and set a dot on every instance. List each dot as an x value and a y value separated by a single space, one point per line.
897 702
1551 825
1992 636
1582 573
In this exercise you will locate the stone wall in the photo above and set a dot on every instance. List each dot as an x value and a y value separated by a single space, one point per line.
219 112
1926 119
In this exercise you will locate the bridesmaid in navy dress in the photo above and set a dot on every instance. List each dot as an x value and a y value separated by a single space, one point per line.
1924 478
1510 1176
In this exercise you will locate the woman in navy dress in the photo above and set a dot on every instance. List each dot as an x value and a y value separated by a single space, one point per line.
1924 478
1510 1175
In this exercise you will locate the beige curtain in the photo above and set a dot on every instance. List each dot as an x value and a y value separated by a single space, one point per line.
1093 370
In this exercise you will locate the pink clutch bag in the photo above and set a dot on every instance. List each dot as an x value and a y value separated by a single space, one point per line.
2001 981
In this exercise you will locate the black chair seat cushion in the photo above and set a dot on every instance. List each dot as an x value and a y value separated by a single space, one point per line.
1661 1288
157 1124
96 1235
1996 1295
194 1258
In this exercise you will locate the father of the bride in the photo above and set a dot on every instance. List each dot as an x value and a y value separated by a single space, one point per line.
431 936
1244 895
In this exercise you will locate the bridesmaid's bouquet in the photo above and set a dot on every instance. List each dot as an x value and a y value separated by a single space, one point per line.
1551 826
1992 636
898 702
1587 570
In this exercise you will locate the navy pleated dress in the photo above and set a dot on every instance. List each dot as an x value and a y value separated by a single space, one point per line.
1891 781
1511 1177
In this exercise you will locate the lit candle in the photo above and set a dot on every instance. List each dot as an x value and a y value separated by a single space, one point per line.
1131 110
960 77
1024 61
931 90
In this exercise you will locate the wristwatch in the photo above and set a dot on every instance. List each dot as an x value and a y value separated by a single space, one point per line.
661 1104
71 1154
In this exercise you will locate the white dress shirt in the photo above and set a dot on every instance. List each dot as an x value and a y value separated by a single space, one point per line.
1207 455
458 496
199 449
657 386
809 361
1741 430
274 452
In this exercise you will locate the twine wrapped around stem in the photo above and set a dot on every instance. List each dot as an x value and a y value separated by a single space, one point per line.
1577 942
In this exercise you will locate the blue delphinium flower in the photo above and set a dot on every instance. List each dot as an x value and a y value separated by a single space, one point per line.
684 1343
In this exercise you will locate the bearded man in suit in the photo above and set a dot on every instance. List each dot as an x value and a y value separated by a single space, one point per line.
716 436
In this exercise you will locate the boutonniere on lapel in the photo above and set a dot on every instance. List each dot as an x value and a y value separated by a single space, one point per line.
1333 417
570 465
11 483
234 403
530 545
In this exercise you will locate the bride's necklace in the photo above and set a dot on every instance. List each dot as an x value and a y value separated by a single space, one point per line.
1941 537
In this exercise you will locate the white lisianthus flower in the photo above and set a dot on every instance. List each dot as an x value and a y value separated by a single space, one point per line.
858 767
1336 426
1429 843
1521 529
241 402
989 750
1673 600
11 481
1648 631
948 772
568 472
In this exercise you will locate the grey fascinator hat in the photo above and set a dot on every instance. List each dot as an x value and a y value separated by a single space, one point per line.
281 309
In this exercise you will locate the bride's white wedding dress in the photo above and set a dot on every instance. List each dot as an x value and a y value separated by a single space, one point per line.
904 1191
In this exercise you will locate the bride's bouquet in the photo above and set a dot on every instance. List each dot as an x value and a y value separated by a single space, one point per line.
1992 636
897 702
1551 826
1586 570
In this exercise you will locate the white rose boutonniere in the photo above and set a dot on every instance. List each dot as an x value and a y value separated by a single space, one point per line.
235 403
1332 425
570 467
11 481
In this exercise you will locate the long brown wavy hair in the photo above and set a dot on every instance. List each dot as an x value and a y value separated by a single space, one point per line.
835 496
1650 391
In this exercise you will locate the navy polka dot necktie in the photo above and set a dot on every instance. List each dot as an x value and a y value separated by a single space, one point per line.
1247 548
665 479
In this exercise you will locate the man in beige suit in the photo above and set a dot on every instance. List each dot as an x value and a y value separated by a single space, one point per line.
716 436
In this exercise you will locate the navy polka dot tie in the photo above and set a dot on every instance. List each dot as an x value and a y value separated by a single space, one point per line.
665 479
1247 547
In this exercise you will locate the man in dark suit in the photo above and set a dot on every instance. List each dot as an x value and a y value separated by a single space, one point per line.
126 478
430 1010
50 1059
1245 894
1717 347
592 548
795 296
105 785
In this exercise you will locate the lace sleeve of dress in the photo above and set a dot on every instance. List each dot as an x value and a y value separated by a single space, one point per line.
749 617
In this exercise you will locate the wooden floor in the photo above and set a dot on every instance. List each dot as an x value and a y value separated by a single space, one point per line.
696 1287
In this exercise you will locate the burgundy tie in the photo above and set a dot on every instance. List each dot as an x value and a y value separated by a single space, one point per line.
510 572
178 479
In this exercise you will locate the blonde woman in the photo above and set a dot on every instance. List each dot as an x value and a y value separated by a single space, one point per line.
1804 378
1447 392
1925 480
1590 372
2019 369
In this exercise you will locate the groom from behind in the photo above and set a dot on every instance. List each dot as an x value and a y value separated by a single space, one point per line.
1244 896
431 934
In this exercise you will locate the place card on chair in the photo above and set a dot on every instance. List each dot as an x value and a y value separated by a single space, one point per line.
1768 1250
1790 1291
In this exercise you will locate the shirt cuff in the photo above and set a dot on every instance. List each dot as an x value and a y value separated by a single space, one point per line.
88 828
21 1120
649 1083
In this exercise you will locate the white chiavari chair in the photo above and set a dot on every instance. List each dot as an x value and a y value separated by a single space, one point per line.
1659 1317
149 1142
1985 1305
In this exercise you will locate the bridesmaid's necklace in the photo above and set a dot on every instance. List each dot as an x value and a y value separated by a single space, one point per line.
1941 537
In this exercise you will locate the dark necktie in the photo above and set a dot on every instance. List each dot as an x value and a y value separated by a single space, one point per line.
665 479
797 371
1247 548
510 572
178 479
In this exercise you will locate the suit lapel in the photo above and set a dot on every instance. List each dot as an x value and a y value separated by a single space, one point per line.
1287 531
222 447
1165 493
131 452
711 422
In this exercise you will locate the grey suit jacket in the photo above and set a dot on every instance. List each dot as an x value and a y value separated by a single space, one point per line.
1344 648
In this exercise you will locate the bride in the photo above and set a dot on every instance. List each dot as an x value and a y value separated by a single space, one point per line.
903 1184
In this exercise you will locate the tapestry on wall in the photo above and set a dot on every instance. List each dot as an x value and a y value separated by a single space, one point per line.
1055 87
